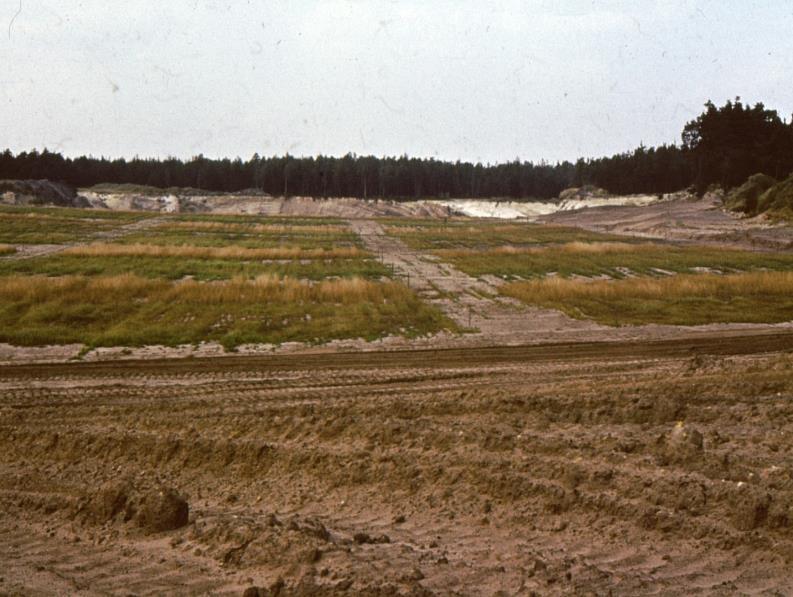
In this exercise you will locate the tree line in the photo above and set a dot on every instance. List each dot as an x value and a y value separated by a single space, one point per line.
723 146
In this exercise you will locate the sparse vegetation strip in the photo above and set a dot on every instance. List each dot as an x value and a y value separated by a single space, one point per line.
485 234
613 259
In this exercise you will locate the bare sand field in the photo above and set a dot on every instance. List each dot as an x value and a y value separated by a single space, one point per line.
680 219
631 468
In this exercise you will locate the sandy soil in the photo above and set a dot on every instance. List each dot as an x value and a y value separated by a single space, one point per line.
353 207
344 207
685 219
531 210
651 468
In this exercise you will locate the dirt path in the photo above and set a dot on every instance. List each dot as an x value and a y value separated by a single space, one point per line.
470 302
557 469
29 251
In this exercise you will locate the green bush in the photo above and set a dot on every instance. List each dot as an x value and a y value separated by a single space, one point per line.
778 200
745 198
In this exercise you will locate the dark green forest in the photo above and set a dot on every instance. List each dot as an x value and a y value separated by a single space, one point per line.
723 146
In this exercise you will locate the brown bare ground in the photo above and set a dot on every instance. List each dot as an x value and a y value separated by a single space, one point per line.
631 468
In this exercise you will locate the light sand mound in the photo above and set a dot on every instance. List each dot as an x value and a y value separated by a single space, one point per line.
349 207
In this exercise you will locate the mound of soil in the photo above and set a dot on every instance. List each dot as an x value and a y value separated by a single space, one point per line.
40 192
155 509
162 510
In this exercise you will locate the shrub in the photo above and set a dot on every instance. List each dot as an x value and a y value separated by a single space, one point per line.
745 198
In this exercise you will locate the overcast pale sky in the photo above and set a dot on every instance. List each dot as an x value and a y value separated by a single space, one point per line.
481 81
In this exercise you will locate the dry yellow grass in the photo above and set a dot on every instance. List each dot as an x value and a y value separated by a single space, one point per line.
555 288
6 249
682 299
194 252
257 228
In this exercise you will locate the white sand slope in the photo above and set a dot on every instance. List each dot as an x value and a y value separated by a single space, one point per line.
511 210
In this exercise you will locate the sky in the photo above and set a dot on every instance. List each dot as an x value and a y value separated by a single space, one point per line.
470 80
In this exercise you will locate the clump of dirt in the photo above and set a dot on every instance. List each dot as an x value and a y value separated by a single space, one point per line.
751 508
245 541
40 192
362 538
681 445
685 438
154 509
276 588
757 505
112 502
162 510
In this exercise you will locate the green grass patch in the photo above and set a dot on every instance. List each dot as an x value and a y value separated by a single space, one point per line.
757 297
175 268
260 233
76 213
30 225
254 219
129 310
175 237
457 234
596 259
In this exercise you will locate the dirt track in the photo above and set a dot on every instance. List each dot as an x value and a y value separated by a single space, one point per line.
472 303
554 469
